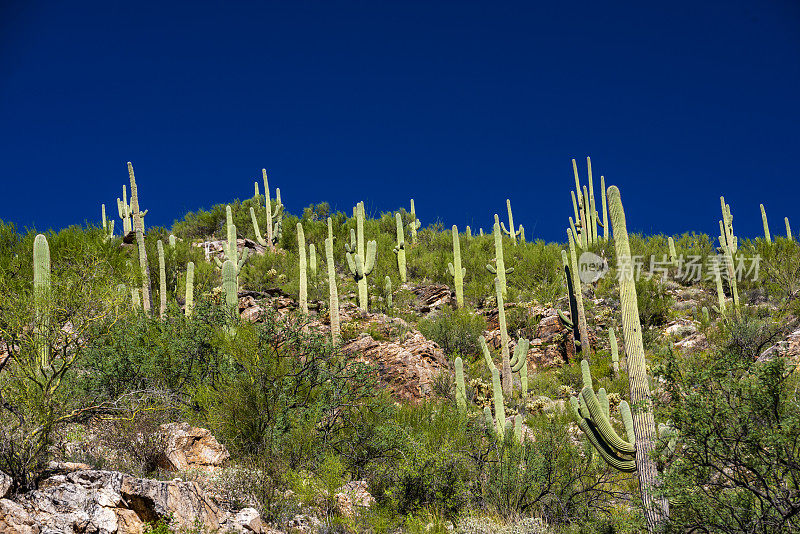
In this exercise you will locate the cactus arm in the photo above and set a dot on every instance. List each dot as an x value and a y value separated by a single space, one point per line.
259 238
372 252
487 355
767 236
620 463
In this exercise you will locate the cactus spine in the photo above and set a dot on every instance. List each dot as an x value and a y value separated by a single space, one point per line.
108 226
41 298
301 250
511 231
162 280
414 224
360 265
591 411
766 224
656 509
189 289
576 288
231 247
788 228
138 225
461 390
612 340
333 292
400 248
456 271
500 265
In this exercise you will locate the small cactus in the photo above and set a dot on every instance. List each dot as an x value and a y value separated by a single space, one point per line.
673 255
788 228
461 391
612 340
456 270
387 288
767 237
108 226
468 232
41 298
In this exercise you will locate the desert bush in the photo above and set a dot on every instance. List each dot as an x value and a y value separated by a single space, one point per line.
456 331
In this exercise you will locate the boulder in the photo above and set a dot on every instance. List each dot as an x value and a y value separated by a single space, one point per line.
351 496
406 367
189 447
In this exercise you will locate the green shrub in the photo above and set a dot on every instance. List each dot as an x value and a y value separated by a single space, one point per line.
456 331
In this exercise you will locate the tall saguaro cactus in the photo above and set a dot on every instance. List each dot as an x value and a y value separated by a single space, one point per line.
124 210
504 351
108 226
656 509
414 224
301 250
499 269
333 291
189 289
583 328
41 298
511 231
274 219
360 263
400 248
162 280
767 237
231 248
456 271
138 225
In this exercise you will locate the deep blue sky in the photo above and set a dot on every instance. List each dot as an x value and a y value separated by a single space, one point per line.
457 104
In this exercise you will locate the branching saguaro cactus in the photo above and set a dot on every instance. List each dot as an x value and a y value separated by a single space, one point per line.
124 211
656 509
729 246
583 327
767 237
456 270
359 263
727 237
333 291
499 269
162 280
41 299
499 426
586 217
301 251
510 231
138 225
189 308
414 225
108 226
591 412
231 248
400 248
274 217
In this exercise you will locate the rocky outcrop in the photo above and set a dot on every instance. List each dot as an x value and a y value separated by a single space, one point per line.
789 348
109 502
215 249
407 367
188 447
352 496
432 297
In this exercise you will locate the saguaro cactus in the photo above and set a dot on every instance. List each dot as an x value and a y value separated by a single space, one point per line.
468 232
605 208
333 292
230 285
414 224
108 226
461 390
591 411
301 251
511 231
673 255
788 228
456 271
189 289
359 263
124 210
612 340
572 323
231 248
656 509
727 234
400 248
274 219
506 361
162 280
499 268
387 288
312 261
41 298
519 363
138 225
767 237
576 287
